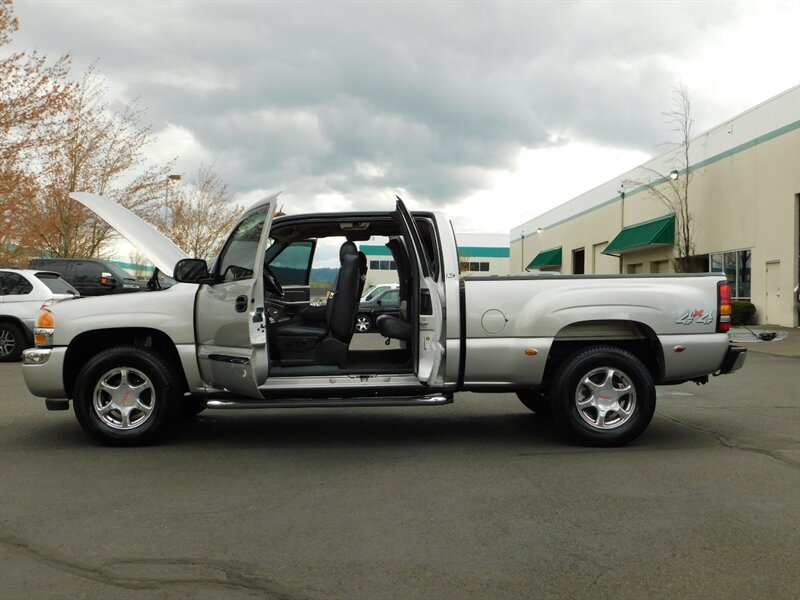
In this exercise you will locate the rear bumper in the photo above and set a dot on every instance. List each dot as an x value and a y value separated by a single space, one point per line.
733 361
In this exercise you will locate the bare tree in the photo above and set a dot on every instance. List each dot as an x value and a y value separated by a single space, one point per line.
91 148
33 95
672 189
200 214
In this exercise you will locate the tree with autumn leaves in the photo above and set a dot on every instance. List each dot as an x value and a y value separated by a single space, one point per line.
58 136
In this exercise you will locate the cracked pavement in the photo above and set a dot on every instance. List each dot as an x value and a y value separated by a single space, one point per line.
479 499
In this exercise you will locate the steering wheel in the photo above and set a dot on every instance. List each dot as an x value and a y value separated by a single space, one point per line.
271 282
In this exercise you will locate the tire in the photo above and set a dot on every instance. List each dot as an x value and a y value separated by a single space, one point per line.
603 396
363 324
12 342
103 404
535 401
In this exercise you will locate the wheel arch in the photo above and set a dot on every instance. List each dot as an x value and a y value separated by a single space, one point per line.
633 336
18 322
87 344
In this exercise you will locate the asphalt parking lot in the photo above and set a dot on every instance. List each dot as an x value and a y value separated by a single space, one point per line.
479 499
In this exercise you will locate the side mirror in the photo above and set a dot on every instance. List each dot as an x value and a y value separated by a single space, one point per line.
379 302
191 270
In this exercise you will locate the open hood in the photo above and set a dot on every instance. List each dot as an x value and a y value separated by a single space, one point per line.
147 239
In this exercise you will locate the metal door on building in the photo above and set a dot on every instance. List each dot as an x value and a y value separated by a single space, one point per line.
773 288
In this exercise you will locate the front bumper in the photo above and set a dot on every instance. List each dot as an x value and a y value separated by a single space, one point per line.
734 360
43 371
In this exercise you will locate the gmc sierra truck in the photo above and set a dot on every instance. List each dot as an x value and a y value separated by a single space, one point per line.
241 333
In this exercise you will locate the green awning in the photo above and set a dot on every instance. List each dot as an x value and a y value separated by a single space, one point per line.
546 258
643 236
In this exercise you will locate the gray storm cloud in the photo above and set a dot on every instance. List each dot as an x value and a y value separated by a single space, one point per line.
358 99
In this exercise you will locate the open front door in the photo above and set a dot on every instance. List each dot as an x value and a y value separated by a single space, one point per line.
430 315
229 314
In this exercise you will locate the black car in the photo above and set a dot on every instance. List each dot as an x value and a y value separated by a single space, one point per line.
91 277
385 303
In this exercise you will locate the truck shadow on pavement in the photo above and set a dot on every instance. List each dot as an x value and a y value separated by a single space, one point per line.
324 429
517 432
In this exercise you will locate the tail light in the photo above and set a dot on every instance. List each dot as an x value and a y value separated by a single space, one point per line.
724 305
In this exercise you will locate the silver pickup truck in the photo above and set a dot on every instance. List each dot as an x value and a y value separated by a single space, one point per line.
242 334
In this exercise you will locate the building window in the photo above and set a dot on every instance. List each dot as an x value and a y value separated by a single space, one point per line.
473 266
382 265
578 259
736 266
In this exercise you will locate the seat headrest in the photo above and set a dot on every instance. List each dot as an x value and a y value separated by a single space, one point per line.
347 249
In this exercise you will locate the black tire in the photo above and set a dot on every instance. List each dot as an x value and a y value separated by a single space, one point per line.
619 412
12 342
363 323
535 401
101 412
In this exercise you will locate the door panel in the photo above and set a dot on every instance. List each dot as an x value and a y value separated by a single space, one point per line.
773 278
229 318
430 317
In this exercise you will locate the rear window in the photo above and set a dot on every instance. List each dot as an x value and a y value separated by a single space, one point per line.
55 283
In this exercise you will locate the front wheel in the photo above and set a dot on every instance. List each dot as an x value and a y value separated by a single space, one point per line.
127 396
363 323
603 396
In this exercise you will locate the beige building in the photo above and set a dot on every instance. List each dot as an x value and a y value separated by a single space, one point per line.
744 202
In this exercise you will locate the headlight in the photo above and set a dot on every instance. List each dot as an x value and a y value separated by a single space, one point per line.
45 326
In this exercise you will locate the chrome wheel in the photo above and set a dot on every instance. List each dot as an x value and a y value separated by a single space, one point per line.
124 398
363 324
605 398
8 342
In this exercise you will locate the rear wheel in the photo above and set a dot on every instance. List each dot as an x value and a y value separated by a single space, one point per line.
127 396
12 342
363 323
603 396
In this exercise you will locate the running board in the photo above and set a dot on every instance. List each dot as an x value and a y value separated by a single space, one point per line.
432 400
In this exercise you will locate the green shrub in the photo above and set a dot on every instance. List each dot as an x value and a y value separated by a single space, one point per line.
743 312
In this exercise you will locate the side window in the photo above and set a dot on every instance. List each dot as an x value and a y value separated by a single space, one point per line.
88 272
3 285
428 235
292 266
15 284
238 257
391 298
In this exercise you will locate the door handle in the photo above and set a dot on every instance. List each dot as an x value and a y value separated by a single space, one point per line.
241 304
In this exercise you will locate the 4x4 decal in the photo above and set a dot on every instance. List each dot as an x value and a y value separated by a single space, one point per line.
697 315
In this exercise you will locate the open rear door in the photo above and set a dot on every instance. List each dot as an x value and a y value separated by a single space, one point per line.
230 319
429 314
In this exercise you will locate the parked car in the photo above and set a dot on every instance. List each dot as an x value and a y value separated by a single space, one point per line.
22 294
376 289
91 277
385 301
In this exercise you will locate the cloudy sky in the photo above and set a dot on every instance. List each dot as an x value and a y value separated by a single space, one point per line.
494 112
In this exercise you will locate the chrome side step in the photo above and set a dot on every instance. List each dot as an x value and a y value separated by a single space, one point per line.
432 400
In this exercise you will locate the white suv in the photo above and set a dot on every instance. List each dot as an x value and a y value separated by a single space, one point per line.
22 294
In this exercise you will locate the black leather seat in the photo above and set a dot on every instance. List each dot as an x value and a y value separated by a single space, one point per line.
307 342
